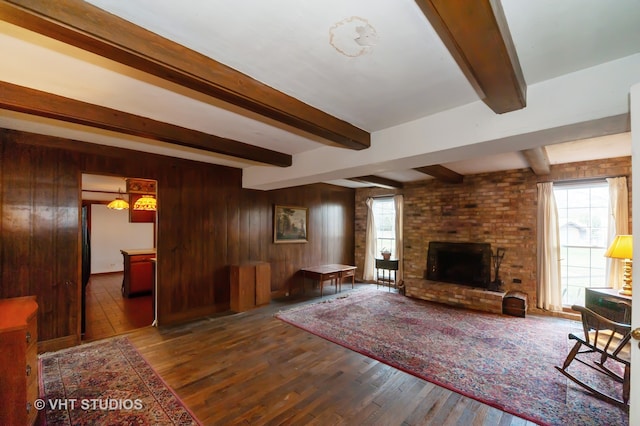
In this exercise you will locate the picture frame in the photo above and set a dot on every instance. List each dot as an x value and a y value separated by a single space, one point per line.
140 186
290 224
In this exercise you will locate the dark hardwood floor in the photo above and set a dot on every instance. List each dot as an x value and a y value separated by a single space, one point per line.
109 313
251 368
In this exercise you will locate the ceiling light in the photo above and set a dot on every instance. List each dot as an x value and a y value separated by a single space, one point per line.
146 202
118 204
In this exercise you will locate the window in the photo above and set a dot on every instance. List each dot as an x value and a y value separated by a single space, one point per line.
583 217
384 215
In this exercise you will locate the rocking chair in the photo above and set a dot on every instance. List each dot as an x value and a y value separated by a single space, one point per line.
609 339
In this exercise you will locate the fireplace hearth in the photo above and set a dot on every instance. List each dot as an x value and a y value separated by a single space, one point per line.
460 263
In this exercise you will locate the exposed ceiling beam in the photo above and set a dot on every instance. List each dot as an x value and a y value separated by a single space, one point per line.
43 104
378 181
441 173
90 28
477 36
538 160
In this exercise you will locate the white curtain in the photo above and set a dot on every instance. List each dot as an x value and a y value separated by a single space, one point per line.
618 225
397 204
548 250
370 244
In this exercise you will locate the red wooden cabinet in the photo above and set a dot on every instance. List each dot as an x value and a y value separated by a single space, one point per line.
18 360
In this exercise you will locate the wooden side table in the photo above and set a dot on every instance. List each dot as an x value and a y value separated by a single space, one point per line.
606 302
388 268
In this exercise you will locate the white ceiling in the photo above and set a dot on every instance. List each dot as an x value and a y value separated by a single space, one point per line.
376 64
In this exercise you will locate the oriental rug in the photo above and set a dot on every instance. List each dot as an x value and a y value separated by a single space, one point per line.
106 382
503 361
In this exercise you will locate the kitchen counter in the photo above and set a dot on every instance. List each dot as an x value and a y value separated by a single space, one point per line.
139 271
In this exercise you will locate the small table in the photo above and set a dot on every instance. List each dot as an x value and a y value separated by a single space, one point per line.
390 266
334 272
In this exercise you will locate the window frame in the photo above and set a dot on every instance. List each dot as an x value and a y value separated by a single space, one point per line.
582 251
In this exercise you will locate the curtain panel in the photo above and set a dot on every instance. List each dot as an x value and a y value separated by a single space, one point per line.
618 225
370 244
398 201
548 250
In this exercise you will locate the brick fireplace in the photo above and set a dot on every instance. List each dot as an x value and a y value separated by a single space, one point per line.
460 263
459 274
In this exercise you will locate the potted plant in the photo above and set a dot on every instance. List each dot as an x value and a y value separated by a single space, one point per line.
386 253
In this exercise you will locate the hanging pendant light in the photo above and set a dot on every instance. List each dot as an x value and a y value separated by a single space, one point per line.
118 203
146 202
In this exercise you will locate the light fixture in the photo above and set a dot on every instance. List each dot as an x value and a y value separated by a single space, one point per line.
622 248
146 202
118 203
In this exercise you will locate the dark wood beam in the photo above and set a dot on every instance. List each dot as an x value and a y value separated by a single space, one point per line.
378 181
441 173
477 36
43 104
90 28
538 160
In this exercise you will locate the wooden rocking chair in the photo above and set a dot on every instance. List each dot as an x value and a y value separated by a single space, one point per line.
609 339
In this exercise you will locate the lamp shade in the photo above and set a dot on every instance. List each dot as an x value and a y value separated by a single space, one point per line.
621 248
118 204
146 202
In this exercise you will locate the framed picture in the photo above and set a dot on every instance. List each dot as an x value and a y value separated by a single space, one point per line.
290 224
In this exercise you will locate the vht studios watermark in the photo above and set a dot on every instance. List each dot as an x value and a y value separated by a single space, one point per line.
86 404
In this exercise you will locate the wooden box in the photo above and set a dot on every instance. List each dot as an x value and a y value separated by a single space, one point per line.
250 285
515 303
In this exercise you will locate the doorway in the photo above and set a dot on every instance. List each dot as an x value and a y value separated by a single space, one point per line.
108 234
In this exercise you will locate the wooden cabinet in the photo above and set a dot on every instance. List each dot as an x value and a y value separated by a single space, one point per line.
139 271
250 285
606 302
18 360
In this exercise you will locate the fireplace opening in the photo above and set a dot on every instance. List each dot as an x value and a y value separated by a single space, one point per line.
460 263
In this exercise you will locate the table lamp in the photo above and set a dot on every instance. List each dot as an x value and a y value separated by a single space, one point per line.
622 248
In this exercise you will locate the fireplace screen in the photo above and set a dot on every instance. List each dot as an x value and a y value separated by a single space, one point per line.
460 263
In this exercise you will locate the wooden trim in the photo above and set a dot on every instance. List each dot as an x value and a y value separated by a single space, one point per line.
43 104
477 36
441 173
53 345
90 28
192 314
378 181
538 160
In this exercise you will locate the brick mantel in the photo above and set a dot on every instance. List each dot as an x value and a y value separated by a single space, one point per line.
455 294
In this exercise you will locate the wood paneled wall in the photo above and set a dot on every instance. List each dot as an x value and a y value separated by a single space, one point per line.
330 231
206 222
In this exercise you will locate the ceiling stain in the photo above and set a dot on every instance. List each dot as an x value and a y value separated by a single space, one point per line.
353 36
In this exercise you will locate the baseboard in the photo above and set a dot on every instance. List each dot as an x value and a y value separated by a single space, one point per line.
53 345
191 314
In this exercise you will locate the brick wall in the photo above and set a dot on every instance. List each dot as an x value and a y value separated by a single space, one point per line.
497 208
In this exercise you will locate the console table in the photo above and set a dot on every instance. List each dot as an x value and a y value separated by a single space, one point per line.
391 267
606 302
334 273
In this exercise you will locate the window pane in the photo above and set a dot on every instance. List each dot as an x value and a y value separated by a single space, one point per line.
583 214
578 197
385 219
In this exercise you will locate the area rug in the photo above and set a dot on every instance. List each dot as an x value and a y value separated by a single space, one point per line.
503 361
106 382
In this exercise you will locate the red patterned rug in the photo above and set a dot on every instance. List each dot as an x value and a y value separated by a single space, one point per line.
506 362
106 382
